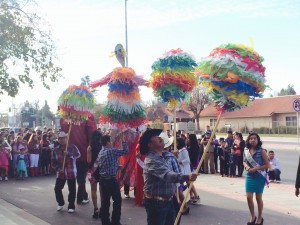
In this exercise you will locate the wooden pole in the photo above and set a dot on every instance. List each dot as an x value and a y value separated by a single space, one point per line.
66 150
175 139
197 170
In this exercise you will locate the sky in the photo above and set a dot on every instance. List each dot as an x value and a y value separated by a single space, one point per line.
86 32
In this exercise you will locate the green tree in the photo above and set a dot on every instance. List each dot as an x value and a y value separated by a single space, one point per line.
288 91
26 47
199 99
86 82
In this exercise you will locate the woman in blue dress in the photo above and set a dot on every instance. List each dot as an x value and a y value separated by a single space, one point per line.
255 162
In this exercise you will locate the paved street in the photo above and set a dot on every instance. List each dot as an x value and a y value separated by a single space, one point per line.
223 200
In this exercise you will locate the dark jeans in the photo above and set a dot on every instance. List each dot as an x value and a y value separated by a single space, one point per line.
240 165
223 167
81 175
216 161
159 212
176 208
232 169
127 189
110 189
274 174
59 185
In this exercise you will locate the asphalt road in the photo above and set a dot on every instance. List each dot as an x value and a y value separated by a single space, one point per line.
36 196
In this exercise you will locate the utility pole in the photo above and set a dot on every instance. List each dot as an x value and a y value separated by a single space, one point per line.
126 37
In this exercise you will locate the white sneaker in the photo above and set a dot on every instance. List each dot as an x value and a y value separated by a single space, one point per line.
85 201
196 201
59 208
127 196
0 178
5 178
278 181
71 210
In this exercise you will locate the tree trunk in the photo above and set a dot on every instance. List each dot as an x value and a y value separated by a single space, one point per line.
198 122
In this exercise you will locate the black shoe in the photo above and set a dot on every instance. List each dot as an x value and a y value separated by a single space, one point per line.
261 223
96 213
253 222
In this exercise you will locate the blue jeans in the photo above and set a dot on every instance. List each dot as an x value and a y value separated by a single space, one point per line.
159 212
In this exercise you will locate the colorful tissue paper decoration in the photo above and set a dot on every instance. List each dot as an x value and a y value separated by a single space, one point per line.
172 78
124 107
233 75
76 103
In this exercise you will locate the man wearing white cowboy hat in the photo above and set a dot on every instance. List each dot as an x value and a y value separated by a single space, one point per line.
168 141
160 180
68 173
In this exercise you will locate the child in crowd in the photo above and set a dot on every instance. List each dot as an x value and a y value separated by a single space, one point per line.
232 163
22 164
222 158
4 161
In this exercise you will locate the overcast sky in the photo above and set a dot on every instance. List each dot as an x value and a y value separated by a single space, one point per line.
86 32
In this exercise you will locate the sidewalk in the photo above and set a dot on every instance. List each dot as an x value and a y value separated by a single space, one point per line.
10 215
279 197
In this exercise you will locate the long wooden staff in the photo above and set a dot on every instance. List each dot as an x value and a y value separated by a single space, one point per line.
198 168
175 137
175 144
66 150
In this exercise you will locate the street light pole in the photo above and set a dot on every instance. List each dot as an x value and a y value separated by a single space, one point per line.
126 38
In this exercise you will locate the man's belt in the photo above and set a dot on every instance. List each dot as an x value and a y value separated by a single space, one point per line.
150 196
106 177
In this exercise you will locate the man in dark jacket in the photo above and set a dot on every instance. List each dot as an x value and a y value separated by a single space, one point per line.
297 185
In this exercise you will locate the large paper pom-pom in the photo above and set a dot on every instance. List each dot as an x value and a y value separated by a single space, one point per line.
124 106
172 79
76 103
233 75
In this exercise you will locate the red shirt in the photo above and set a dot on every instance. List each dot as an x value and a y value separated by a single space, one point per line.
80 134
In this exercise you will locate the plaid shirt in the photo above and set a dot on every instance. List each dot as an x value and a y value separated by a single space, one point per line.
172 161
159 178
108 160
57 160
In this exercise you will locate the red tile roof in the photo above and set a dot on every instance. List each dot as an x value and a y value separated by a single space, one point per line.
179 114
259 108
160 110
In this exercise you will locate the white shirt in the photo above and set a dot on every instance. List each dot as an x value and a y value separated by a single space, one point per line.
184 161
275 164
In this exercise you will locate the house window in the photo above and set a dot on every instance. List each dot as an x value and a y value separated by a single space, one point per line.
291 121
212 122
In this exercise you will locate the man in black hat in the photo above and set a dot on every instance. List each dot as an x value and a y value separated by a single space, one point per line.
160 180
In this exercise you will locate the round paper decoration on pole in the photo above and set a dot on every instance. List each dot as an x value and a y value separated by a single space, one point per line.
172 79
76 103
233 75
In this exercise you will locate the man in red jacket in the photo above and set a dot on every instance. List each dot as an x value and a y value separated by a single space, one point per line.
80 136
